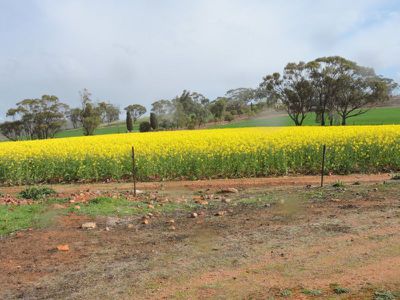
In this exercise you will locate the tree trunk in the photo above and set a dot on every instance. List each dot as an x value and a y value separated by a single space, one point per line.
323 119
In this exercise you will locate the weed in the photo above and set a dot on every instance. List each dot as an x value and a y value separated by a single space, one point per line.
36 192
337 289
338 184
286 293
383 295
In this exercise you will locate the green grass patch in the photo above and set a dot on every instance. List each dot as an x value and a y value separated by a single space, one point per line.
114 128
14 218
257 201
121 207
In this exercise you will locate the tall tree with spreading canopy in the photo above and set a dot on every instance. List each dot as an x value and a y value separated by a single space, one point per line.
108 112
346 88
90 114
136 111
293 89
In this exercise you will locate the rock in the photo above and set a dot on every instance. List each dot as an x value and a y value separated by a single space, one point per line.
229 190
63 247
172 227
171 221
77 207
107 228
145 221
201 202
226 200
220 213
89 225
150 206
194 215
130 226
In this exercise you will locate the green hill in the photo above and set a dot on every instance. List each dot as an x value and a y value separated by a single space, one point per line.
376 116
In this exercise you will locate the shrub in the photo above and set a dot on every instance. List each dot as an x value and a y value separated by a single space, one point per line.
145 126
229 117
36 192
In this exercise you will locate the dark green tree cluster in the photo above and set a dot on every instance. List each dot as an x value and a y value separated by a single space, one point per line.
191 109
91 114
334 88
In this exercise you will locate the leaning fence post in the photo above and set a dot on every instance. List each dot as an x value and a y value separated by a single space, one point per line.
134 170
323 165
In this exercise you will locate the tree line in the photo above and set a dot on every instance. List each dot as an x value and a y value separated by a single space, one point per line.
333 88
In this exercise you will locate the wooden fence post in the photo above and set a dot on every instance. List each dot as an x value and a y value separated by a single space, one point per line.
323 165
134 170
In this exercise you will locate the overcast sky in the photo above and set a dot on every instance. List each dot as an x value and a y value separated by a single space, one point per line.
140 51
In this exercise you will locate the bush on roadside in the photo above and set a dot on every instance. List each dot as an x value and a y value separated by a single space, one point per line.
36 192
145 126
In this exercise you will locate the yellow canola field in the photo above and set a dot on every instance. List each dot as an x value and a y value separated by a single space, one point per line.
241 152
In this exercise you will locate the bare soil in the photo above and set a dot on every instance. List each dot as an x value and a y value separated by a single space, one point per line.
305 238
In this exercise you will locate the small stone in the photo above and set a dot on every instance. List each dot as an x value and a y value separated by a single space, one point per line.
107 228
77 207
72 201
89 225
130 226
145 221
194 215
150 206
172 227
201 202
171 221
226 200
63 247
220 213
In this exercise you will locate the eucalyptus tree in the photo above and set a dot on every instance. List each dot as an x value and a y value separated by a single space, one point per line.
293 90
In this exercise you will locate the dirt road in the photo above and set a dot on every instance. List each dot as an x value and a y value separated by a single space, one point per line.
272 242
